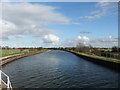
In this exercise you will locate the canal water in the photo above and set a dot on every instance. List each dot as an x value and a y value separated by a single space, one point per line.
59 69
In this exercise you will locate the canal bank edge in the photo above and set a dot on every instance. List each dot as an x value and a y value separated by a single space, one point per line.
10 59
106 63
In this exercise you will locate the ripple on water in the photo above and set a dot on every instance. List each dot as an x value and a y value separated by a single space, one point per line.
59 69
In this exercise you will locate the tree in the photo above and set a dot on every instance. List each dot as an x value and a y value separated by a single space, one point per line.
39 48
82 48
115 49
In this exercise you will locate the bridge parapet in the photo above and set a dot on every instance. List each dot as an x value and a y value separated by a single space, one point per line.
6 84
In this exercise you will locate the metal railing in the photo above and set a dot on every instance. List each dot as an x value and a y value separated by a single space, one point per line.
5 84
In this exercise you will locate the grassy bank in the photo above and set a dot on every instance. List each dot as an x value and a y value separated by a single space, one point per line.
96 57
8 52
10 58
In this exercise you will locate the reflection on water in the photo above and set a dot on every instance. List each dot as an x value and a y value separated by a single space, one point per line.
59 69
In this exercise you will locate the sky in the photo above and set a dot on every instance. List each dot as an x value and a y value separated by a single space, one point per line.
58 24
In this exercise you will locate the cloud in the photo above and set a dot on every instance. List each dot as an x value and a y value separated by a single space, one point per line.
50 38
17 37
84 38
72 42
107 41
104 8
27 18
33 14
76 23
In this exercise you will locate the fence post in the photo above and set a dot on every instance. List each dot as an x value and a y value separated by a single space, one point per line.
8 83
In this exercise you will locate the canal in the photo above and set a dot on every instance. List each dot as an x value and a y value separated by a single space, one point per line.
59 69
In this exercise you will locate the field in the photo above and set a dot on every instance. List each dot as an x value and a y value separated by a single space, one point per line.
107 49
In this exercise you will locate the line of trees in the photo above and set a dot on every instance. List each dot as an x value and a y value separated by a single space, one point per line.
113 52
105 52
23 48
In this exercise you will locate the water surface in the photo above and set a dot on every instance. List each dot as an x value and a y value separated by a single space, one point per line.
59 69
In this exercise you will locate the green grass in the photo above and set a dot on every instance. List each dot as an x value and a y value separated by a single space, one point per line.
8 52
98 57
